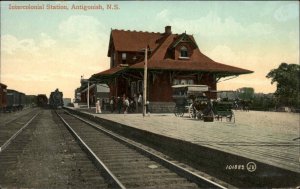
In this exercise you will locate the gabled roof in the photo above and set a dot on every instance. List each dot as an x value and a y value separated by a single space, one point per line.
160 45
113 70
107 74
197 62
133 41
184 38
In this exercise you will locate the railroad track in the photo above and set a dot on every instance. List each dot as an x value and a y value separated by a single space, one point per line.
125 164
14 116
11 129
45 155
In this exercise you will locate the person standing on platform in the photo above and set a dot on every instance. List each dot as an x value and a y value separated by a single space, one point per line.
98 106
140 101
111 103
126 105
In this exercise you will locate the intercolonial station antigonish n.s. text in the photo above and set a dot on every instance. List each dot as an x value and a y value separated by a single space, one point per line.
61 7
37 7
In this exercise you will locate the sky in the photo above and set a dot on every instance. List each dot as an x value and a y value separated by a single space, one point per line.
42 50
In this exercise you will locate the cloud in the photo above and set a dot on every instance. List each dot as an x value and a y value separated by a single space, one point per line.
77 47
223 53
213 25
46 41
81 27
10 44
27 76
261 62
164 14
28 45
287 12
86 34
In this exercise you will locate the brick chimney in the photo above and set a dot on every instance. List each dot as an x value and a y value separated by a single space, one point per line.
168 30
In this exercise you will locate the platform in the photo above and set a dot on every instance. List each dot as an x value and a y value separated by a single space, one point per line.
267 137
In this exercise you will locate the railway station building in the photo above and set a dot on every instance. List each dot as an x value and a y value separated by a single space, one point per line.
172 59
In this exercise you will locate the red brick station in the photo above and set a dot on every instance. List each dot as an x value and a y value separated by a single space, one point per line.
172 59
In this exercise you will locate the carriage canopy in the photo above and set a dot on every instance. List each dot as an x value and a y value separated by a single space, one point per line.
186 90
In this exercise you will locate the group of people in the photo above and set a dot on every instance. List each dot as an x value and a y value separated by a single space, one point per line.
124 104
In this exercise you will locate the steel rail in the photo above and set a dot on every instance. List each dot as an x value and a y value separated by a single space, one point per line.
198 179
109 175
14 119
17 133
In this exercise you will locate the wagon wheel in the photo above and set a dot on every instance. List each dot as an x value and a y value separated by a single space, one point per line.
199 114
178 111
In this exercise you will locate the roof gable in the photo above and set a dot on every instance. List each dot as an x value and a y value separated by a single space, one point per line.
184 38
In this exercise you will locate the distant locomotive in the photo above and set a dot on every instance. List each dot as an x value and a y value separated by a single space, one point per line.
42 100
56 99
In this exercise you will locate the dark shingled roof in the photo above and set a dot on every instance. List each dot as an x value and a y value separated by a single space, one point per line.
132 41
160 43
111 71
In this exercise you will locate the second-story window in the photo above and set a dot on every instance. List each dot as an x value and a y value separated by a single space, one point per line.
183 52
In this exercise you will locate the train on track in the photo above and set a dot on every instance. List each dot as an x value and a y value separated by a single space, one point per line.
15 100
42 100
56 99
12 100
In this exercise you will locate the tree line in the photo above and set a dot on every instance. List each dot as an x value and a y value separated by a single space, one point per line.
287 80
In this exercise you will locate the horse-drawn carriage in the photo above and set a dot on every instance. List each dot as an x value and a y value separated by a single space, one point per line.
194 100
184 97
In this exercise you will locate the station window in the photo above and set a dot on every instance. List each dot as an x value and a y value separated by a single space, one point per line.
140 86
123 56
176 82
133 88
190 82
183 82
183 52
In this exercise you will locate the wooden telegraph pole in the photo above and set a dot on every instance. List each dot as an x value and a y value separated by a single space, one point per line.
145 83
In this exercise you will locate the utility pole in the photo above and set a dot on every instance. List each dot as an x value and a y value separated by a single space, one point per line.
145 82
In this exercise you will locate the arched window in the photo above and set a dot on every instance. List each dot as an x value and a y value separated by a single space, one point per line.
183 52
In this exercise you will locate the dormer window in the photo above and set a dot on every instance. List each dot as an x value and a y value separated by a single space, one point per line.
183 52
